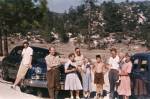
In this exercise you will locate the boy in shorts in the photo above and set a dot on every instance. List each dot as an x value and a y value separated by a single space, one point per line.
99 76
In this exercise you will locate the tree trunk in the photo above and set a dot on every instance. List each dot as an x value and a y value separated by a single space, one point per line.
1 45
5 45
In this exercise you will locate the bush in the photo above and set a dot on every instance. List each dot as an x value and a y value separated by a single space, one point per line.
48 37
64 37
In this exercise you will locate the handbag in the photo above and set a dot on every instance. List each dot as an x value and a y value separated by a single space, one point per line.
70 67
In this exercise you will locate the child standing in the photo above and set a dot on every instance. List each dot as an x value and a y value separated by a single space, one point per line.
99 76
72 81
86 77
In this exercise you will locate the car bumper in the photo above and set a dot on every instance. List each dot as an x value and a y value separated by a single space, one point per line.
39 83
35 83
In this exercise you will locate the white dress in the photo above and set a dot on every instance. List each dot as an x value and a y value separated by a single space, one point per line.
72 81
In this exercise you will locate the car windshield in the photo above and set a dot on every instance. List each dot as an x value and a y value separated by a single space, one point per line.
16 51
144 65
38 53
140 64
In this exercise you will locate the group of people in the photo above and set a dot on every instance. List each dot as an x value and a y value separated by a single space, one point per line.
79 70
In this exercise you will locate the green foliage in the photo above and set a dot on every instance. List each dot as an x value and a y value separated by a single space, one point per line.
145 28
76 19
64 37
113 17
22 15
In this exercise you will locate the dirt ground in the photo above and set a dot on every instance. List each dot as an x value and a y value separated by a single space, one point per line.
7 93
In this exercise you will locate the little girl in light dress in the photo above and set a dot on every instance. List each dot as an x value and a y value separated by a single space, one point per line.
87 77
72 81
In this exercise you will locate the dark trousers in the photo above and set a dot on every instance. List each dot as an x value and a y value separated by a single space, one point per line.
113 77
52 82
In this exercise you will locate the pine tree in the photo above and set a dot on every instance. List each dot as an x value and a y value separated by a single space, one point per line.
112 16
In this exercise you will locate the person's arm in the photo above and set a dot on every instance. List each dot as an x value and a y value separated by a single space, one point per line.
107 66
68 71
47 61
30 63
22 53
109 62
93 68
84 68
30 58
56 62
104 68
118 60
127 71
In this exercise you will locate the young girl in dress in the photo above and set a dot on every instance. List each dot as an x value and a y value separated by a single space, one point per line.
86 77
72 82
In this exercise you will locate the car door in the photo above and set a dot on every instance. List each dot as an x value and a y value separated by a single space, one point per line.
13 61
140 76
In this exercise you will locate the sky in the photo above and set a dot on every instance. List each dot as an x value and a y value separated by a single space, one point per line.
61 6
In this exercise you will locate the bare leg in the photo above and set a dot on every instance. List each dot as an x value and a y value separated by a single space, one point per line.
97 88
85 93
126 97
77 94
88 93
123 97
71 92
17 81
101 90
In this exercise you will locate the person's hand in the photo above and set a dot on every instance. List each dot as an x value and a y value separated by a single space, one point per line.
30 66
79 69
79 66
74 69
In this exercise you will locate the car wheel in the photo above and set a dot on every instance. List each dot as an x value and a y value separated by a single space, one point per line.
5 74
39 93
25 88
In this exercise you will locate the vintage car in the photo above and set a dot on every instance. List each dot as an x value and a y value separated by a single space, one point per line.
140 75
35 79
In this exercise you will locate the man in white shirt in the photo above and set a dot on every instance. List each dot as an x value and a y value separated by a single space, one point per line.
26 63
114 70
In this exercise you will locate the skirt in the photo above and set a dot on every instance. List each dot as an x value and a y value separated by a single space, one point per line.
22 71
124 87
87 82
72 82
